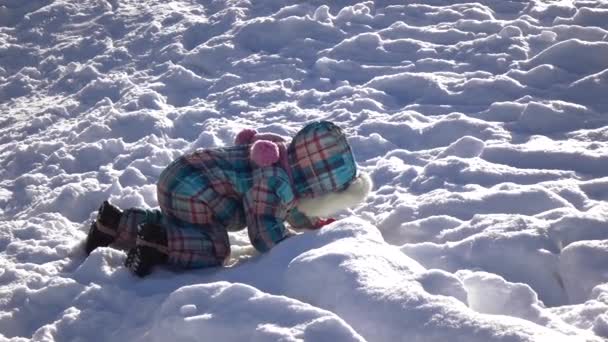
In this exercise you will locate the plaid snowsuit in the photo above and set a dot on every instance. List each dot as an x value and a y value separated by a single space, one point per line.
204 195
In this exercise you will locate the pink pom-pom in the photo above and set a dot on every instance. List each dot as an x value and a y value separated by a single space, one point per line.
245 136
264 152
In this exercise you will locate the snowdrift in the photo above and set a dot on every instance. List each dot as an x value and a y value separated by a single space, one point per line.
483 125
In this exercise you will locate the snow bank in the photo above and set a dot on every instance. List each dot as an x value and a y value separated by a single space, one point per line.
580 263
482 124
236 312
573 55
365 272
403 307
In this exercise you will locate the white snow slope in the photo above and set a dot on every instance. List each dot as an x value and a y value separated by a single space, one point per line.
483 124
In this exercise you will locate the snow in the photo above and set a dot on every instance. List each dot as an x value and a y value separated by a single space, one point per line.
481 123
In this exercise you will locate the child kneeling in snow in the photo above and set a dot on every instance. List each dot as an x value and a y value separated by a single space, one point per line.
260 183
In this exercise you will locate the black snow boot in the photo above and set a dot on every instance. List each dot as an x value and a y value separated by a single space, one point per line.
150 250
105 228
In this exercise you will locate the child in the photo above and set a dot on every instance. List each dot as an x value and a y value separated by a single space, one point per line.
260 183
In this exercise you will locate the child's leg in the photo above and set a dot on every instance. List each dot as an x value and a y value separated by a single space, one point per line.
196 246
104 230
117 227
194 214
178 243
130 222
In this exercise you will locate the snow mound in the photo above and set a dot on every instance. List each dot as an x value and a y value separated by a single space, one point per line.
391 282
235 312
573 55
482 123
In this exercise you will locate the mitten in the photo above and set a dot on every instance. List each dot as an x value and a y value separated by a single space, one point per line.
323 222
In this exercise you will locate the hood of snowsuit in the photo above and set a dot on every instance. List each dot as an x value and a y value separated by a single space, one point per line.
321 160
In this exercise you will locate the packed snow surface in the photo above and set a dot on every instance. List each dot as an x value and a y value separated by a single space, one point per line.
483 125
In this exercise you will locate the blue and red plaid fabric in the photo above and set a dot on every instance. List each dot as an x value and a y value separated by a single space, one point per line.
266 207
321 160
129 223
205 194
200 195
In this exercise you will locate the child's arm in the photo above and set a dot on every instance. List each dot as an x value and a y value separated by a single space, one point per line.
298 220
266 207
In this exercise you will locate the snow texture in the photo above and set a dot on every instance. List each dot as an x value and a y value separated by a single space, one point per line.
481 123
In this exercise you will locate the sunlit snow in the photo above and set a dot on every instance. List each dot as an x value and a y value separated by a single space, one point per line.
483 125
